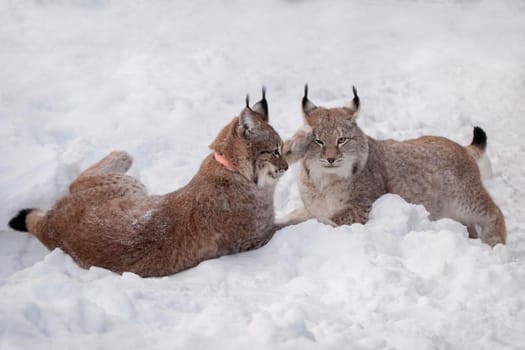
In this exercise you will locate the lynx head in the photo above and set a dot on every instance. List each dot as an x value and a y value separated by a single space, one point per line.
337 145
251 145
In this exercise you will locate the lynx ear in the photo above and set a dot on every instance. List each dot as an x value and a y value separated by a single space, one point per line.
248 120
308 106
261 107
354 107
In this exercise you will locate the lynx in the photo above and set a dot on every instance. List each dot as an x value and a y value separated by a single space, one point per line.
343 171
108 220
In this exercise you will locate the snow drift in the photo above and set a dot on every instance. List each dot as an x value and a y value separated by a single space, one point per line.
159 79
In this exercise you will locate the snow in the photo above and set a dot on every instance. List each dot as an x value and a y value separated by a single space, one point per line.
160 78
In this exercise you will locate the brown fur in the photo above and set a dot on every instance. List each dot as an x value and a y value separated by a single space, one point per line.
107 220
343 172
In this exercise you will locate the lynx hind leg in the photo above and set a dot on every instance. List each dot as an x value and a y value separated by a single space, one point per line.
483 218
121 184
494 230
114 163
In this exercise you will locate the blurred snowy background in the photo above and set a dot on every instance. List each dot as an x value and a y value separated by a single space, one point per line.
159 79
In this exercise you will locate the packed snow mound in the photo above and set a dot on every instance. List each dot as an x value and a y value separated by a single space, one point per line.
159 79
400 281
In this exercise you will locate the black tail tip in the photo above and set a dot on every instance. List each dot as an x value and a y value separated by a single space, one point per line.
480 138
19 221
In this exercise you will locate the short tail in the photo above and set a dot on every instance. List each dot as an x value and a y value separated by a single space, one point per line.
35 222
477 149
19 221
479 140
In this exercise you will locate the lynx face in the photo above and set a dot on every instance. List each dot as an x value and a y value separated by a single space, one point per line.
265 147
270 165
338 145
252 145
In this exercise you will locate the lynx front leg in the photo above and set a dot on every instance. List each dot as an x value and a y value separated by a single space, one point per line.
295 147
351 215
295 217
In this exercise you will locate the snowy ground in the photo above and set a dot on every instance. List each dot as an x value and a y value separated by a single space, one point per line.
79 78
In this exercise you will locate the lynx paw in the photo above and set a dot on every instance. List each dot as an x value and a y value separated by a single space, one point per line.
295 147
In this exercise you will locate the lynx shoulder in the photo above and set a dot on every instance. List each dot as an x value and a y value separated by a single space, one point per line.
343 171
108 220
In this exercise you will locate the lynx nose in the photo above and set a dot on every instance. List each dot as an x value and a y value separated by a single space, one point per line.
330 160
282 166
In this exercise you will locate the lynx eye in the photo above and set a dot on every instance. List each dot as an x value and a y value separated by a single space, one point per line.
276 152
342 140
319 142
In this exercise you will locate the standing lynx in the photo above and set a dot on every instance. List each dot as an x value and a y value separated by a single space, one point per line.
343 171
108 220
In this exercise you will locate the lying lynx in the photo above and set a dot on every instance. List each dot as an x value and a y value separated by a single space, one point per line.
344 171
107 220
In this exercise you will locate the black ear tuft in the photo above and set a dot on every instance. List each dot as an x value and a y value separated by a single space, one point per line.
261 107
248 100
308 106
356 99
305 97
19 221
